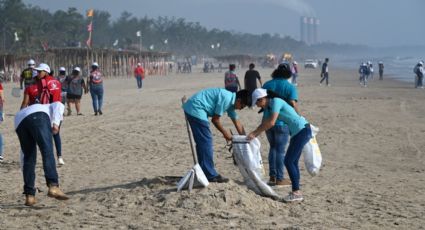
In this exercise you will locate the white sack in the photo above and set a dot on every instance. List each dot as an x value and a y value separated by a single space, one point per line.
312 155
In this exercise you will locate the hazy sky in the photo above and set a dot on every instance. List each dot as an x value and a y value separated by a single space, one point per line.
369 22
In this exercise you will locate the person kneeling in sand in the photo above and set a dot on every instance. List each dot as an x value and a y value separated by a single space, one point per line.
34 126
299 130
213 103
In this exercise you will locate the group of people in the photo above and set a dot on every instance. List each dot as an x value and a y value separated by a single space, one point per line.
366 72
41 115
281 118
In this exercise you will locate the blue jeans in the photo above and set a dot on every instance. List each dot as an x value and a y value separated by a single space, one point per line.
96 92
1 145
278 137
58 143
139 82
293 154
325 76
294 78
204 145
232 89
35 130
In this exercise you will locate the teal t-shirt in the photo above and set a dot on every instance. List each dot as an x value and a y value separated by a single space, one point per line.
209 102
287 114
284 89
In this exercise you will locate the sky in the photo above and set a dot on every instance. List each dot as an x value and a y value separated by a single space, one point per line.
377 23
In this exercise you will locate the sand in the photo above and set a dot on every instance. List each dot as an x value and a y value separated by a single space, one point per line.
121 168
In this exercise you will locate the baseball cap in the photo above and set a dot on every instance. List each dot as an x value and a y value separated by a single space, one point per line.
257 94
62 69
31 62
95 64
77 69
43 67
139 64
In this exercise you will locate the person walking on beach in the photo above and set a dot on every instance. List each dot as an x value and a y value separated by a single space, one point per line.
381 70
299 130
213 102
27 75
139 74
95 82
251 77
62 79
419 71
34 126
278 135
2 100
231 81
364 72
45 90
325 72
294 73
370 67
75 89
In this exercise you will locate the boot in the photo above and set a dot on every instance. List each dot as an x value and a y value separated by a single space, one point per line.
55 192
29 200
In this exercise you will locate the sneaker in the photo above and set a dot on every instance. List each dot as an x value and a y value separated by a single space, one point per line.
219 179
293 198
79 114
95 113
30 200
60 161
55 192
283 183
272 181
100 112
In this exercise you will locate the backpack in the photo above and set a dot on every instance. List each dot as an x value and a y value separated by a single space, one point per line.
45 97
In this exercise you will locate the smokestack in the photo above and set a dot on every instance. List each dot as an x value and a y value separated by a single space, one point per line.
316 31
310 25
304 29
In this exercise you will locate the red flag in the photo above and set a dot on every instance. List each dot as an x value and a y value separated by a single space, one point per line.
90 27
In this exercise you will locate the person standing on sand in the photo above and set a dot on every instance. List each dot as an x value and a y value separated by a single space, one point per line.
294 73
27 75
299 129
278 135
76 87
213 102
325 72
381 70
419 71
251 77
95 83
1 114
139 74
34 126
231 81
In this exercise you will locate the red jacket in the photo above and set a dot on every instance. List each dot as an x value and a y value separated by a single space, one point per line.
54 87
139 71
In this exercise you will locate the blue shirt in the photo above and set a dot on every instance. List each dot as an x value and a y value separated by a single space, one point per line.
284 89
209 102
287 114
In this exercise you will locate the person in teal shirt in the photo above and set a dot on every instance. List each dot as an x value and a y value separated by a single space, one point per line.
299 130
278 135
213 102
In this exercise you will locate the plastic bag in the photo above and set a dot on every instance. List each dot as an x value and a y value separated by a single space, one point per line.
312 154
248 158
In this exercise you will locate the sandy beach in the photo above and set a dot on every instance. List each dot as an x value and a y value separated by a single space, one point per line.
122 167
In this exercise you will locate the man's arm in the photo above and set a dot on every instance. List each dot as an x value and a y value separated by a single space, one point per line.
25 101
21 80
239 127
216 121
265 125
294 104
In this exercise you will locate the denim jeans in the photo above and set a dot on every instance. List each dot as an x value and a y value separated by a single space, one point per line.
293 154
278 137
325 76
294 78
1 145
58 143
139 82
204 145
35 130
96 92
232 89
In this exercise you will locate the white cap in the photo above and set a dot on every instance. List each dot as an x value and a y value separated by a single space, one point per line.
257 94
31 62
43 67
95 64
295 62
1 71
139 64
62 69
420 63
77 69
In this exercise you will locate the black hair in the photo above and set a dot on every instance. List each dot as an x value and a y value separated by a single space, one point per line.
282 71
244 96
252 66
232 66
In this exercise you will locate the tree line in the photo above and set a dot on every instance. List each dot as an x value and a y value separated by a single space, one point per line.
25 29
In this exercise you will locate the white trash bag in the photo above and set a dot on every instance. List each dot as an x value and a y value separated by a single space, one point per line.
311 153
248 158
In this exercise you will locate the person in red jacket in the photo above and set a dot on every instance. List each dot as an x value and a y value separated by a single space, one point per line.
139 74
45 90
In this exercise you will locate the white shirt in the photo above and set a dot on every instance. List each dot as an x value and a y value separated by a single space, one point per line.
54 111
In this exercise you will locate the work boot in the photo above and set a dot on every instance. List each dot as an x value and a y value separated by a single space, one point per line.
272 181
283 183
29 200
55 192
